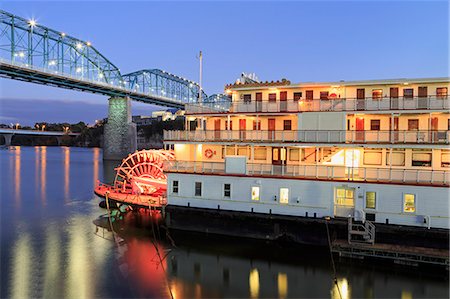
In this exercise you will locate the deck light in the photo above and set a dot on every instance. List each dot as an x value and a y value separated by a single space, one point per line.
32 23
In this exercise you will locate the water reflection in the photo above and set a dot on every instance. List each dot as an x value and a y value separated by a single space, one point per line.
95 161
22 271
17 177
51 250
66 172
43 175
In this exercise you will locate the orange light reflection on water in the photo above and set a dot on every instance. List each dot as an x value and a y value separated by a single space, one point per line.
17 180
66 173
43 175
96 162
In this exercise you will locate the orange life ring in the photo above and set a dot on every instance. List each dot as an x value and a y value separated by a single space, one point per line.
209 153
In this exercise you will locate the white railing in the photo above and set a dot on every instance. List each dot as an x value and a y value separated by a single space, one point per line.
432 102
328 172
313 136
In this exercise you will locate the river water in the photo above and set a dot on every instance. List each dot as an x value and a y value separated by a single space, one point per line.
54 245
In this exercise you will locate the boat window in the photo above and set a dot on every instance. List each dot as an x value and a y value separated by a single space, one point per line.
260 153
198 189
371 198
409 203
255 193
344 196
284 195
226 190
421 158
398 158
175 187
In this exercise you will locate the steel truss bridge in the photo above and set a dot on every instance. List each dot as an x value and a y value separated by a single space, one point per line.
34 53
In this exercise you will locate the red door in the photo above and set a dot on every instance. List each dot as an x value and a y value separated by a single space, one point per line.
242 128
283 101
360 129
217 129
434 128
271 128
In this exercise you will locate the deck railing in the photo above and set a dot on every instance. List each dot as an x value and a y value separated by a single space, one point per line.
431 102
313 136
328 172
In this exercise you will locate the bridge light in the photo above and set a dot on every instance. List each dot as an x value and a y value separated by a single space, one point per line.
79 46
88 44
32 23
100 75
78 70
63 34
21 54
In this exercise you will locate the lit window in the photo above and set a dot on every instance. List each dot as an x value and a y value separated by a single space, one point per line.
284 195
377 94
409 203
371 199
227 190
324 95
344 196
375 124
297 96
287 124
175 187
441 92
198 189
445 158
413 124
294 154
408 93
421 158
255 193
256 125
260 153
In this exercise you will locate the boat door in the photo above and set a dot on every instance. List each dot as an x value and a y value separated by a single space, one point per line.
271 129
217 129
278 156
242 128
434 130
393 94
258 102
394 132
344 201
283 101
360 99
423 97
359 129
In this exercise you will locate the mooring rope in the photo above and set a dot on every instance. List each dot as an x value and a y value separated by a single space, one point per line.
332 259
157 251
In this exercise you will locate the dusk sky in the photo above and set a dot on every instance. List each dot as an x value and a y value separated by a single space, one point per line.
299 40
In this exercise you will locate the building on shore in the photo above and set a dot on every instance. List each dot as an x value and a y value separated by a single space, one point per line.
370 150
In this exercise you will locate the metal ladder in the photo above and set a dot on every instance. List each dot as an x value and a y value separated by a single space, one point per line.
361 232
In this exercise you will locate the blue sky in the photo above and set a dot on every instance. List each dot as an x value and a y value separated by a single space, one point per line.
297 40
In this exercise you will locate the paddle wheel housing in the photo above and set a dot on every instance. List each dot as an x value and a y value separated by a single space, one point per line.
142 172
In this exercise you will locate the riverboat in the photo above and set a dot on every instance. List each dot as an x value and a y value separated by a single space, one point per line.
371 152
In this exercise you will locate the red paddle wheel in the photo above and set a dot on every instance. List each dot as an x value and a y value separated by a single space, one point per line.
139 178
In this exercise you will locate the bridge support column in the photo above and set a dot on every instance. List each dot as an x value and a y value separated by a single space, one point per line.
120 132
8 138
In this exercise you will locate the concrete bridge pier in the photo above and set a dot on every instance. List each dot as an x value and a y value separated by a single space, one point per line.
120 132
8 138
